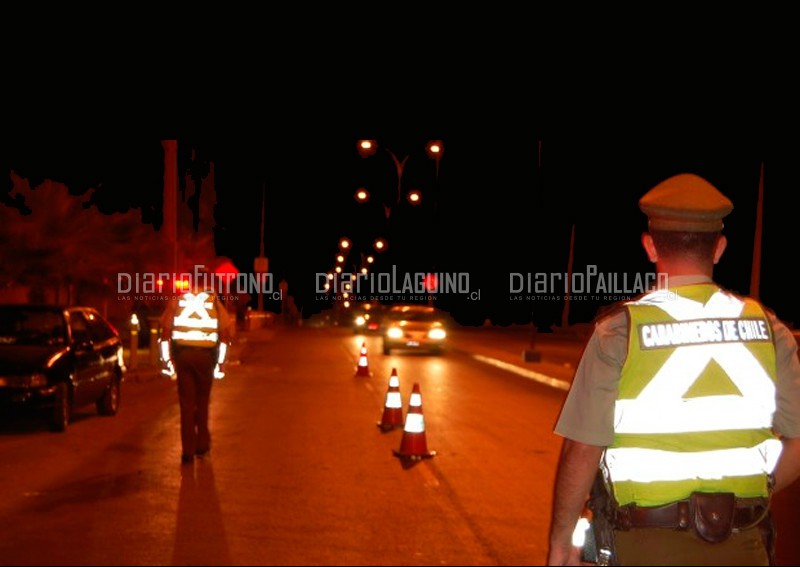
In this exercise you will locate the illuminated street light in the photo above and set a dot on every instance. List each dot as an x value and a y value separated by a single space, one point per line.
362 195
340 259
435 149
344 243
366 148
390 199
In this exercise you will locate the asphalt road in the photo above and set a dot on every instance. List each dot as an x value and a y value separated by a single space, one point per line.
299 473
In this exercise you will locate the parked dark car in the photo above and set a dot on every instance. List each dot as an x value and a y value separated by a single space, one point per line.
57 359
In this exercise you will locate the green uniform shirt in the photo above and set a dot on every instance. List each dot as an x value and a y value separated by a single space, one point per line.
587 415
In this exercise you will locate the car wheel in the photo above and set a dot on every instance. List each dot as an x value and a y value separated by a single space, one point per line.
62 410
108 404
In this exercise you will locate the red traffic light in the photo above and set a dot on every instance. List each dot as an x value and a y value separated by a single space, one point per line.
431 282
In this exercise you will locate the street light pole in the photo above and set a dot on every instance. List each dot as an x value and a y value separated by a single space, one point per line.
434 149
530 354
170 207
755 271
399 165
261 264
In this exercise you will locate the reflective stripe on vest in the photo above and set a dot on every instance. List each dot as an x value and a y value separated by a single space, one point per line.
699 362
196 323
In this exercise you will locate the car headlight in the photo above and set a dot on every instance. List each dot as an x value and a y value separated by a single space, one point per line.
360 321
394 333
437 334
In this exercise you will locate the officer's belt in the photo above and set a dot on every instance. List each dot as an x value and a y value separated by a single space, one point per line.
677 515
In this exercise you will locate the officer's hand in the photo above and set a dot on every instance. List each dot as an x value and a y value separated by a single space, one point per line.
169 370
219 371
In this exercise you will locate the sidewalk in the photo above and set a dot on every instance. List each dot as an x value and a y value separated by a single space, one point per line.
142 369
555 355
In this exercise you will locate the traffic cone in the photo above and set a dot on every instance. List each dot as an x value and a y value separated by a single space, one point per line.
393 406
363 366
413 446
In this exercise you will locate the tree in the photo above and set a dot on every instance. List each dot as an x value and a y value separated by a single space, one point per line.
57 244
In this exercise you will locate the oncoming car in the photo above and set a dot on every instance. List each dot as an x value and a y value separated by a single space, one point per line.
57 358
413 327
367 318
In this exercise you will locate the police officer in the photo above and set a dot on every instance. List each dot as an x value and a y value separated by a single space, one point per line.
196 330
685 405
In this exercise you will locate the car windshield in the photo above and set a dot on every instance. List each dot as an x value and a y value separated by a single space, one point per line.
414 315
31 326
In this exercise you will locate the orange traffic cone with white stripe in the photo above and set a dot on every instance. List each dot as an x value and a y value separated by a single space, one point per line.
393 406
414 446
363 364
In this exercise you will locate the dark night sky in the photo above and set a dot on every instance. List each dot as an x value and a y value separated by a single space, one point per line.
496 211
618 108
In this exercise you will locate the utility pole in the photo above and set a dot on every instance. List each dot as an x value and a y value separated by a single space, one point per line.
755 273
530 354
565 313
170 206
261 264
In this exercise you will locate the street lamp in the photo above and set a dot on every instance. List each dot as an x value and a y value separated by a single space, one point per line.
380 244
435 149
389 198
362 195
368 147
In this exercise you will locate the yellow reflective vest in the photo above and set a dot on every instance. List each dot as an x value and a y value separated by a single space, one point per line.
696 398
196 321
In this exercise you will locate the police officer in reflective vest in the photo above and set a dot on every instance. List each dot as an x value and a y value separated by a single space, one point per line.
196 332
684 413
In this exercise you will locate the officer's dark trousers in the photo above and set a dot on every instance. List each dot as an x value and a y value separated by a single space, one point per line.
195 369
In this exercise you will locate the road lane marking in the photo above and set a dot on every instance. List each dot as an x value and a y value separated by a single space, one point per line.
536 376
428 477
